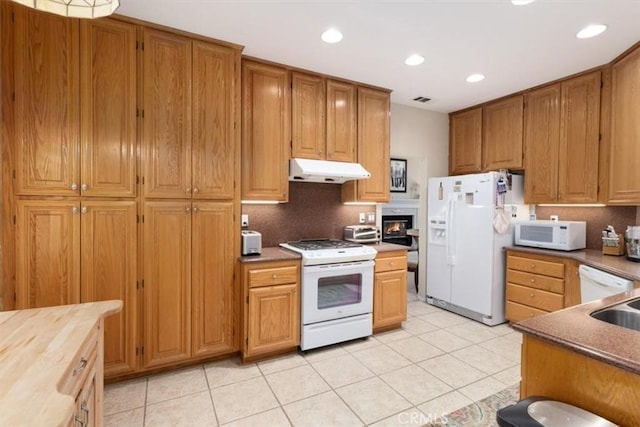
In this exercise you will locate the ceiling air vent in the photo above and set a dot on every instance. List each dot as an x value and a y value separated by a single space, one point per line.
421 99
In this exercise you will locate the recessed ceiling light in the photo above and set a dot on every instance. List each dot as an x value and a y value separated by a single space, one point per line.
591 31
521 2
331 36
414 60
473 78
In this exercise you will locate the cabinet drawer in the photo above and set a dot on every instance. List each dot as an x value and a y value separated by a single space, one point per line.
543 300
537 281
273 276
516 312
548 268
82 365
391 263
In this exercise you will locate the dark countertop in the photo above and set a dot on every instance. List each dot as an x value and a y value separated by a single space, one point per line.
277 253
575 329
618 265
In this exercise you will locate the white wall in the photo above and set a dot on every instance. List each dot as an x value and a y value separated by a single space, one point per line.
421 137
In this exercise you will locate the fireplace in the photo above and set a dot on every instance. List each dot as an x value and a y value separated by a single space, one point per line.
394 229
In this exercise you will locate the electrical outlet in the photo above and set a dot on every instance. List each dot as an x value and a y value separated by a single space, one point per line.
554 218
361 217
371 217
244 220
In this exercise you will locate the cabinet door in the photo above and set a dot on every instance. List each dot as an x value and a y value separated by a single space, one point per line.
502 134
389 298
47 253
167 282
167 115
108 131
46 104
216 144
308 111
465 142
342 119
108 232
265 132
212 291
542 139
579 140
373 148
624 171
273 319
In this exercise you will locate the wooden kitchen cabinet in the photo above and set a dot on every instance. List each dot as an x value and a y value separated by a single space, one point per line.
465 142
624 152
502 124
271 308
46 55
188 285
390 290
108 132
266 130
539 284
324 118
47 253
373 148
308 116
562 141
342 119
109 270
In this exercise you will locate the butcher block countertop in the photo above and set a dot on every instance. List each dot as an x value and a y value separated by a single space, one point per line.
38 347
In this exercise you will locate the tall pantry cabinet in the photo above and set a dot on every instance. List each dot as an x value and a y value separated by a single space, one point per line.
107 120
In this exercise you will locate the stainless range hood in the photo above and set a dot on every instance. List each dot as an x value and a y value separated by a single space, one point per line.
307 170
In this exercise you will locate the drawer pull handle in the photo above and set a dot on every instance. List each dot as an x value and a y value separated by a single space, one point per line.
81 366
79 421
85 409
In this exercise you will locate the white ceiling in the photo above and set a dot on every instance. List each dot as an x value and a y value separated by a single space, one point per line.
515 47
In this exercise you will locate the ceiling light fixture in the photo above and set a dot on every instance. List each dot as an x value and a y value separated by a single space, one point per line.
521 2
331 36
474 78
414 60
591 31
74 8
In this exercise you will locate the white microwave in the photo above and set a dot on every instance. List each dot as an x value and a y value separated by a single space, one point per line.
560 235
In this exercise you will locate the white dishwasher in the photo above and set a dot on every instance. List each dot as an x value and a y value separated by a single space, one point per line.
596 284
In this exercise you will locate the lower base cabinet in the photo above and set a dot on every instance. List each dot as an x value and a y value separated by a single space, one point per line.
390 290
271 308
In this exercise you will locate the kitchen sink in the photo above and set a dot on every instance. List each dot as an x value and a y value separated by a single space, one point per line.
626 315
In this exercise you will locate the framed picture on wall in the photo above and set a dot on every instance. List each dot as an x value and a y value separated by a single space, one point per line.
398 176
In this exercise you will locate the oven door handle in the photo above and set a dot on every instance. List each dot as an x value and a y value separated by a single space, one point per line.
357 265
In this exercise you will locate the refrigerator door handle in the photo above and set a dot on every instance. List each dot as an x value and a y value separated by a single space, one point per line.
450 230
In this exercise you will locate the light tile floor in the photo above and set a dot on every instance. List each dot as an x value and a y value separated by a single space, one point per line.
438 362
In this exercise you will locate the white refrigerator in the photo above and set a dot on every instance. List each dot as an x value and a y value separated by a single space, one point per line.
469 224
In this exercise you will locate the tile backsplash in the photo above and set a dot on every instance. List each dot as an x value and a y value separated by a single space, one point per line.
314 211
597 219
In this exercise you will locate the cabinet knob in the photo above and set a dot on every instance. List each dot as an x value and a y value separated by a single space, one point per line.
84 210
188 209
84 187
533 280
74 210
195 209
530 314
195 190
74 186
188 190
531 294
533 266
274 276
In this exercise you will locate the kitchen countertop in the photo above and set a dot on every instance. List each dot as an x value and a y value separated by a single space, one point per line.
618 265
575 329
37 348
277 253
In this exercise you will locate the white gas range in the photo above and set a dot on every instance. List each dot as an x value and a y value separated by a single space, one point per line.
337 291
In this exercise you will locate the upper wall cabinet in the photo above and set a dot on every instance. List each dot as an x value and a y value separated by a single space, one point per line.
562 141
465 142
323 118
188 135
265 131
502 134
624 163
487 138
373 148
46 103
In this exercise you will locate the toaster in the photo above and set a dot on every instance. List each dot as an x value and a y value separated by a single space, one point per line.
251 242
362 233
